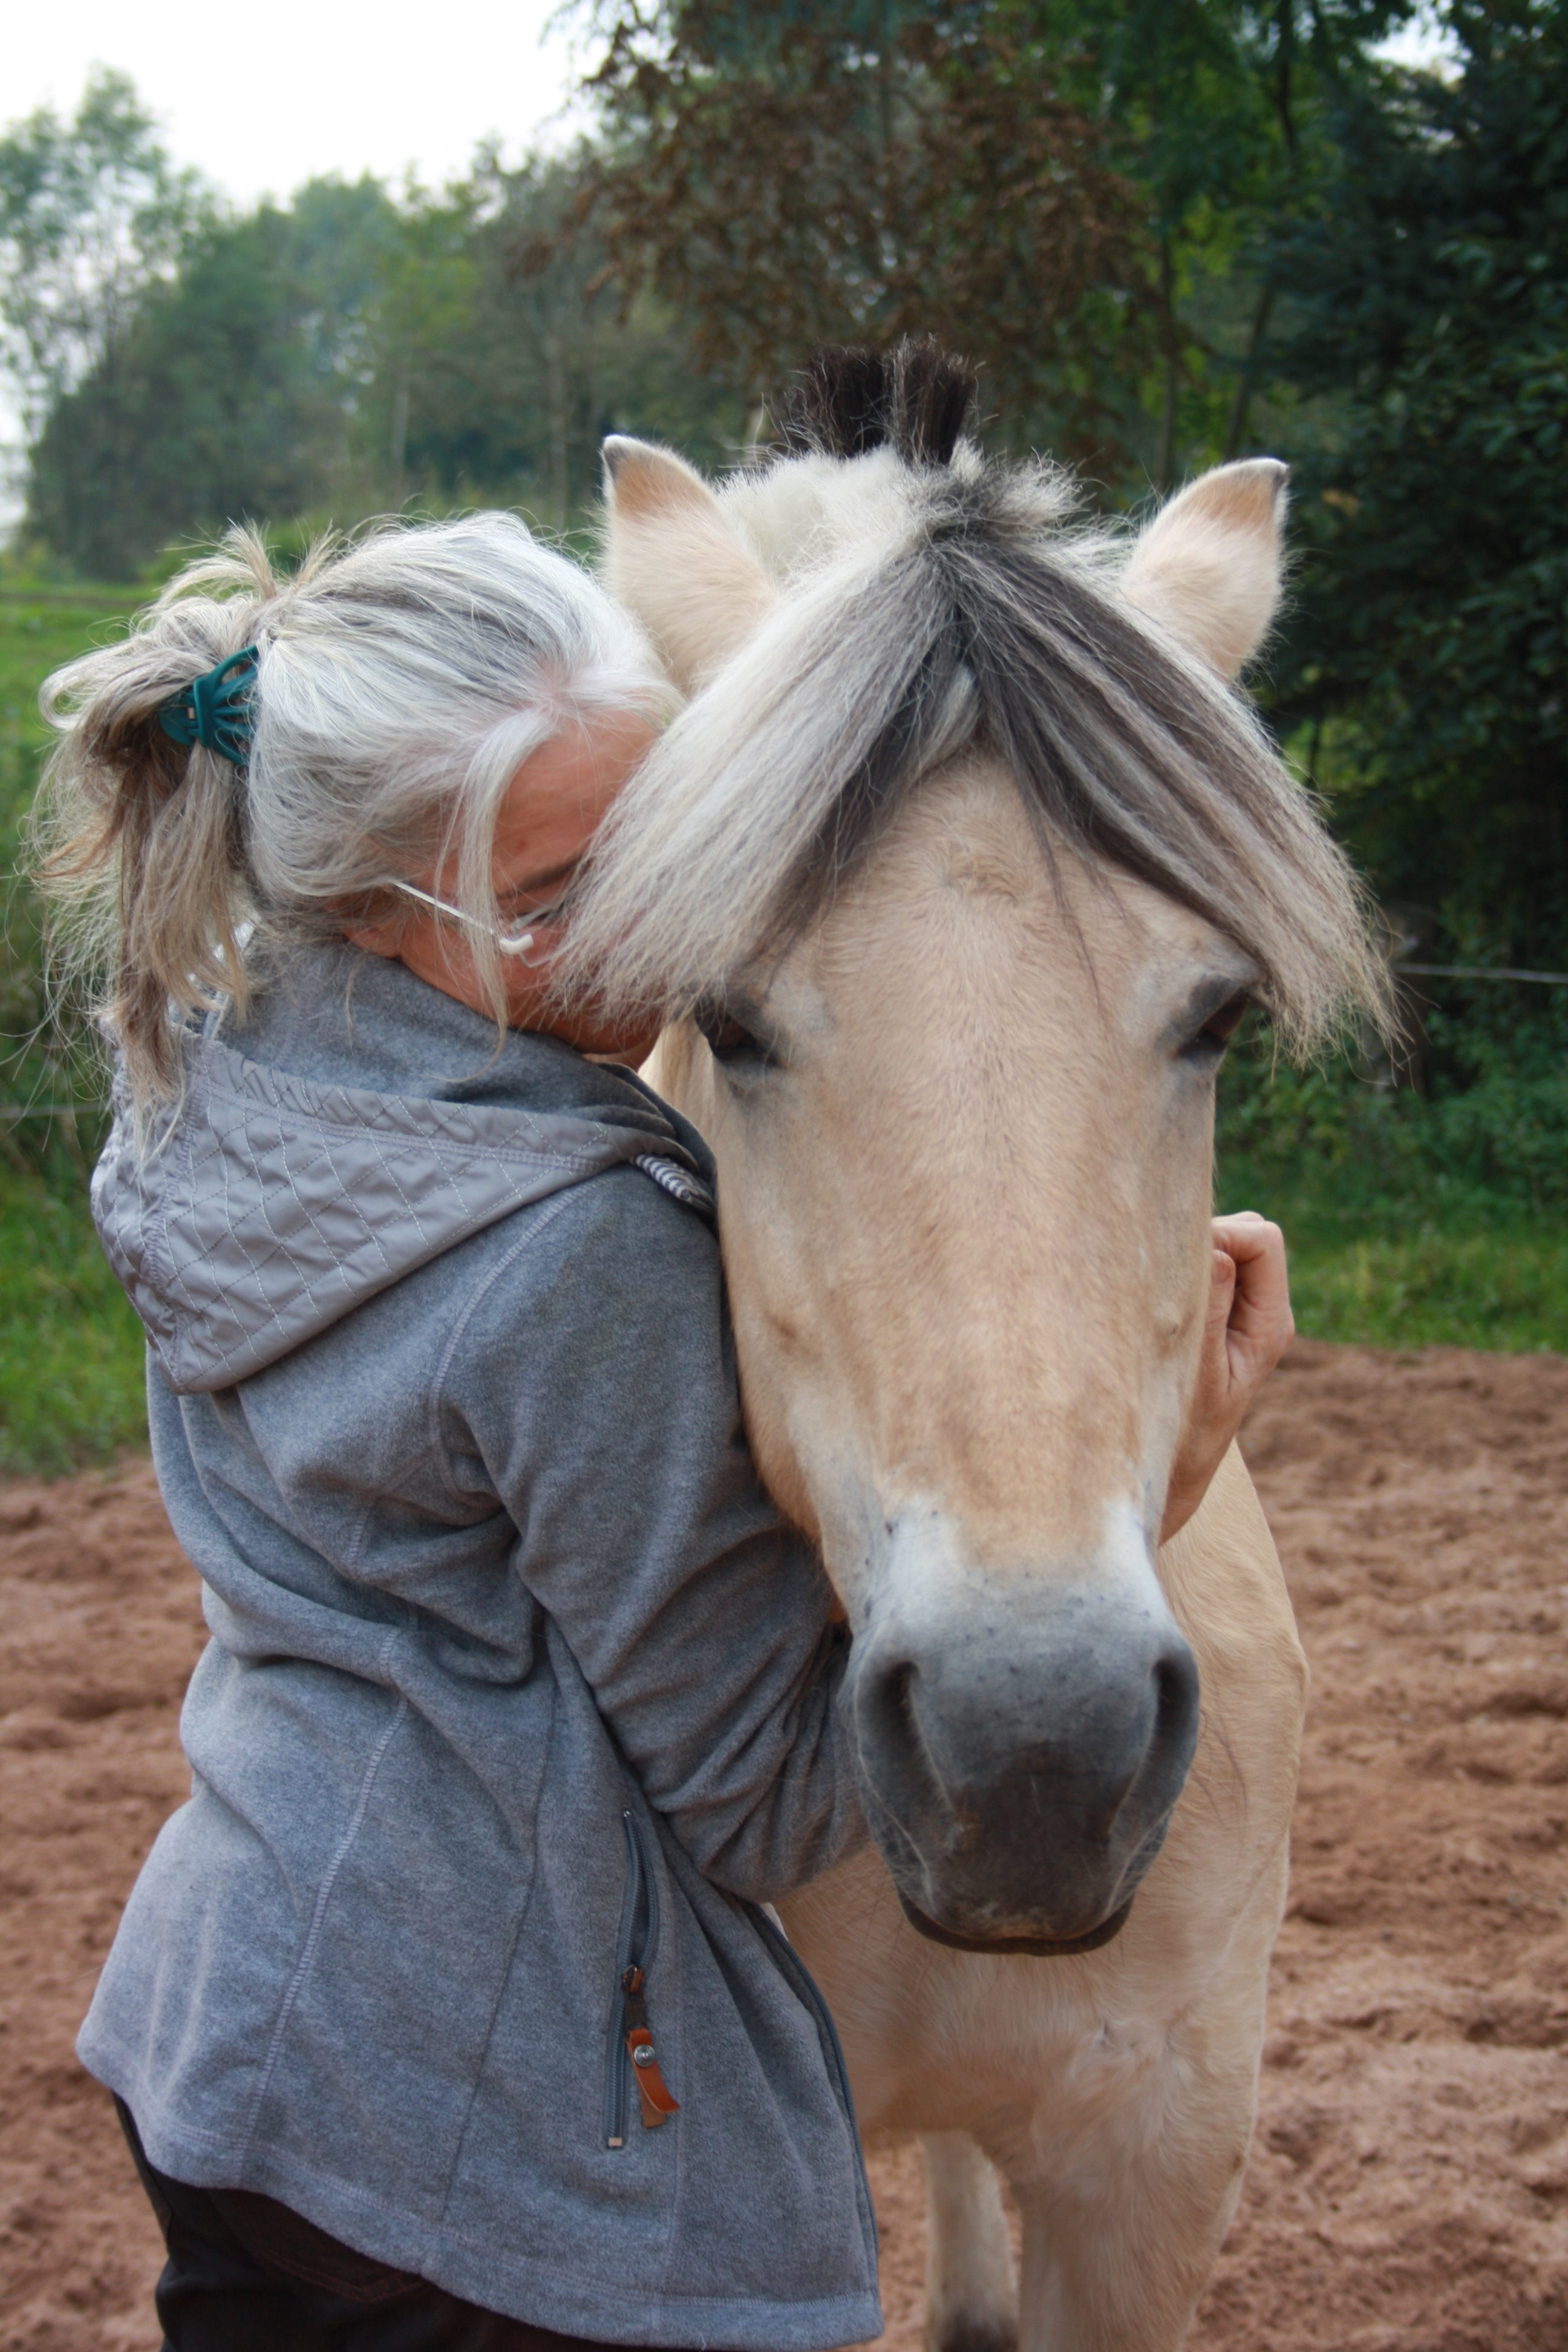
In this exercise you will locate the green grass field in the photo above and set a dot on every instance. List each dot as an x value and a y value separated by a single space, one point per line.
1399 1275
70 1348
1391 1271
39 628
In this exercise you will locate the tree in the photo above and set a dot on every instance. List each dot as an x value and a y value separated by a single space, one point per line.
791 176
91 213
550 362
1222 114
1077 192
1429 650
221 397
351 353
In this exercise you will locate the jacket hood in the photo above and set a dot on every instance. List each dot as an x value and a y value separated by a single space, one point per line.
270 1204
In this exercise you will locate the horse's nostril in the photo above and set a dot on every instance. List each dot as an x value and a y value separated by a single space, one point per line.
893 1706
1176 1682
891 1737
1175 1733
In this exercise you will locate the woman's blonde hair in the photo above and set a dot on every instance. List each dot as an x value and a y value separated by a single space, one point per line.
402 679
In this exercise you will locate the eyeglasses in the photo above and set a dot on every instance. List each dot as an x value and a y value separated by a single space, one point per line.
511 941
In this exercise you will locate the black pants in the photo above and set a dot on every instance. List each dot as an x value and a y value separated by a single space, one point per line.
247 2274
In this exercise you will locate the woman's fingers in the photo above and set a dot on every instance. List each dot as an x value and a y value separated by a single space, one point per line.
1223 1285
1261 1324
1248 1327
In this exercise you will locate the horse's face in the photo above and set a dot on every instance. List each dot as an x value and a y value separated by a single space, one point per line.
963 1131
964 1145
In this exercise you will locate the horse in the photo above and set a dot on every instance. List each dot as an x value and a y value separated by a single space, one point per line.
959 864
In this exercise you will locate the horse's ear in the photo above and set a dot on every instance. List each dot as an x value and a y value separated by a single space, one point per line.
1211 564
671 558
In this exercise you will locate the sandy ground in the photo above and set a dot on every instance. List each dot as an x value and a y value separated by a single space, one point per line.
1408 2190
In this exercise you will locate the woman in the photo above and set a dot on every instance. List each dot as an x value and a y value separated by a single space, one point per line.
445 2013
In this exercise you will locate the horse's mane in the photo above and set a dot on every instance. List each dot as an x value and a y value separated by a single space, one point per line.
938 602
914 399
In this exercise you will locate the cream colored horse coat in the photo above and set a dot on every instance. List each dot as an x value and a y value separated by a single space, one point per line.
1113 2091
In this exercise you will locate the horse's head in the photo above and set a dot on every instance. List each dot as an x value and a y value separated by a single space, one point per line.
953 877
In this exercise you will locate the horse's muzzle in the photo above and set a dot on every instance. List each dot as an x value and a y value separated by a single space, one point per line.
1021 1742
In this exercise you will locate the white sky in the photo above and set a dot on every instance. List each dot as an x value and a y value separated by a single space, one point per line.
1423 42
262 98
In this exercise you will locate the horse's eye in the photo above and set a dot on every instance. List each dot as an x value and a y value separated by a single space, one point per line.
728 1040
1217 1031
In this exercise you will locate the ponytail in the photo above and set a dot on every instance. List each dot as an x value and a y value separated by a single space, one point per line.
142 840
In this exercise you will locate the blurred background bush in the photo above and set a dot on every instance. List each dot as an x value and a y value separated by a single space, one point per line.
1170 231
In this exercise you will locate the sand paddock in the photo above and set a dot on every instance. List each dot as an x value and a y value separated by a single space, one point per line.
1408 2190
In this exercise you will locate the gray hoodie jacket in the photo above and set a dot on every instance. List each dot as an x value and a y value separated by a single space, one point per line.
516 1683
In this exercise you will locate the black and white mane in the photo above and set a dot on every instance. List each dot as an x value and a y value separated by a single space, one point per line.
933 604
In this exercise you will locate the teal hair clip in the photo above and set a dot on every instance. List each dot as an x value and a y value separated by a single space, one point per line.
214 710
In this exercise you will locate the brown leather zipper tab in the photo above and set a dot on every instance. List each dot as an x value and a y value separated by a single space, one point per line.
657 2099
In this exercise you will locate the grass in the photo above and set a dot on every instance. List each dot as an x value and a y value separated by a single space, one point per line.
1417 1220
1393 1274
1466 1290
70 1346
1400 1268
40 629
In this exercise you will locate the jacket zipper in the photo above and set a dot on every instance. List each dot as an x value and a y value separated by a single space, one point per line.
795 1973
630 2052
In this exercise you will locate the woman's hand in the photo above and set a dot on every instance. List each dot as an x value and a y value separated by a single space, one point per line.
1246 1330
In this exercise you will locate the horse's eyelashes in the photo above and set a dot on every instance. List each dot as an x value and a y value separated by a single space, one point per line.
1229 1018
1219 1028
1207 1043
729 1039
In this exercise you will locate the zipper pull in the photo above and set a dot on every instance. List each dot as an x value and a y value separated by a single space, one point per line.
654 2091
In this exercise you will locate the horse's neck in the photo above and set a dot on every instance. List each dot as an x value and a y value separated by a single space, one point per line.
656 1071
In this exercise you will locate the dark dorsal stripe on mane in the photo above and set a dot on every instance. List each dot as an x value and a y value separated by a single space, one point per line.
915 399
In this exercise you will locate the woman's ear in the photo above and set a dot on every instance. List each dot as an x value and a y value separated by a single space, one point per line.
673 561
1211 564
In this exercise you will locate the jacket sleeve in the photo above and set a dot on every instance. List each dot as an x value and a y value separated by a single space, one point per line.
593 1378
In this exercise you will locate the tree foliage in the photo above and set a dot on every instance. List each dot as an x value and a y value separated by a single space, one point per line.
1222 114
351 353
1076 192
92 213
1430 643
790 177
208 406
